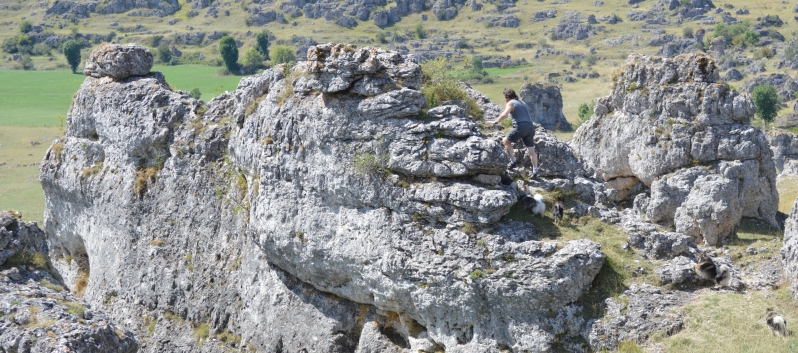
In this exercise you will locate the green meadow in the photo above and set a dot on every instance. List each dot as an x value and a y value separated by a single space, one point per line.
30 105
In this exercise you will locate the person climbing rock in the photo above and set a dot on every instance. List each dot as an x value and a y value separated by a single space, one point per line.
523 128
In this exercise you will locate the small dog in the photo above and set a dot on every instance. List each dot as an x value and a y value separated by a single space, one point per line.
706 269
533 204
776 322
558 210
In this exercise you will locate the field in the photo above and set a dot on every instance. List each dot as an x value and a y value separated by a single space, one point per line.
29 111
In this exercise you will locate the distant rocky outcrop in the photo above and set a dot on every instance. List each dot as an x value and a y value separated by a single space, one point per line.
118 61
789 252
785 85
671 125
37 314
571 26
161 7
785 151
71 10
545 105
318 192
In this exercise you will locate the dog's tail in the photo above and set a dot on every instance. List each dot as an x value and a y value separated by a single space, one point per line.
538 197
780 326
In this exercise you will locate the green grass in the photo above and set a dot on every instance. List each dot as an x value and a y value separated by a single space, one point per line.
19 181
734 323
36 98
788 192
187 77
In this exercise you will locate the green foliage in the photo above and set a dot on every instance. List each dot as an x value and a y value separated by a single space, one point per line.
764 52
262 44
33 259
738 34
229 52
591 60
76 309
476 64
687 32
791 50
381 37
253 59
438 86
26 62
164 54
71 49
25 26
373 161
585 110
196 93
419 31
463 44
766 101
52 286
283 54
477 274
201 332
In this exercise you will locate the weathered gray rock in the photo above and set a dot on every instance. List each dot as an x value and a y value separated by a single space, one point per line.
678 270
118 61
544 15
444 10
37 314
325 195
785 148
712 210
670 114
641 312
571 27
669 192
71 10
545 105
733 75
163 7
789 252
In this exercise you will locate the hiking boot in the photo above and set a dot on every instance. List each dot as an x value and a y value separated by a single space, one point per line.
512 165
535 172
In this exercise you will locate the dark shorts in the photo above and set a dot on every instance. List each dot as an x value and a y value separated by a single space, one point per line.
524 131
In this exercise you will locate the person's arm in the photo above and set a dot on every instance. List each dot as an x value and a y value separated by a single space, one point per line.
507 110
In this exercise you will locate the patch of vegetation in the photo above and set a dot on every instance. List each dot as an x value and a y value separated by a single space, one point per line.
585 110
91 171
438 86
174 317
76 309
156 242
282 54
766 101
228 337
373 161
29 258
738 34
50 285
468 228
144 177
201 332
81 283
477 274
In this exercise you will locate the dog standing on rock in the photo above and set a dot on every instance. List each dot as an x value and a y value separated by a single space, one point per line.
706 269
776 322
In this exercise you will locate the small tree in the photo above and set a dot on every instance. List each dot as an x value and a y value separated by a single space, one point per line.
283 54
687 32
262 44
229 51
766 101
253 60
476 64
420 32
164 53
381 37
25 26
196 93
585 110
71 51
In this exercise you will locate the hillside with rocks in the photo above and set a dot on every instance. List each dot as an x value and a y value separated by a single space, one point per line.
327 207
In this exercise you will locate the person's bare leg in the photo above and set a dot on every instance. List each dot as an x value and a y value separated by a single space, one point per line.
533 156
508 147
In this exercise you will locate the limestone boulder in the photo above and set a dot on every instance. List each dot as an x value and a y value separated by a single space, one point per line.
712 210
118 61
545 105
667 115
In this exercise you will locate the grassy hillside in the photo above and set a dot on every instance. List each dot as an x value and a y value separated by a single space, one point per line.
483 40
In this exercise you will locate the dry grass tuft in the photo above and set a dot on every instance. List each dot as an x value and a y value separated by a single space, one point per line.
144 177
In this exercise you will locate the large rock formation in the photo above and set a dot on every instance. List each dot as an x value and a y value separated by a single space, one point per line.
670 125
789 252
160 7
36 313
545 105
317 195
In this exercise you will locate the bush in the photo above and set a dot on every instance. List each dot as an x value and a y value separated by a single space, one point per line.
591 60
40 49
372 162
687 32
196 93
381 37
731 31
420 32
26 62
438 86
164 54
71 49
766 101
283 54
585 110
253 60
262 44
463 44
764 52
476 65
25 26
10 45
229 52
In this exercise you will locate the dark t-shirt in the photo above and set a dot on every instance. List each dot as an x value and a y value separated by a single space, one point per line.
520 112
